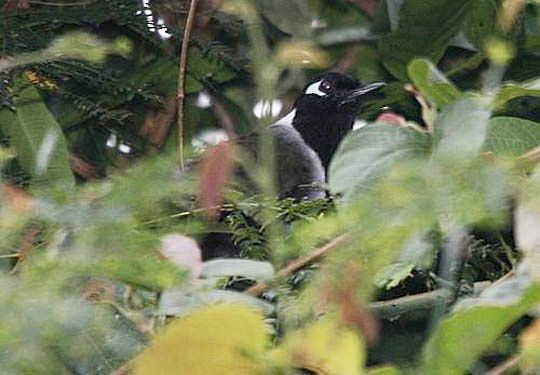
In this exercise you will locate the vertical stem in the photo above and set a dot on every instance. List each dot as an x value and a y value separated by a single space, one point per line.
181 81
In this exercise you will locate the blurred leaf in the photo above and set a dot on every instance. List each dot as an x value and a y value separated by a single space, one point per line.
367 153
499 51
527 224
290 16
382 370
529 346
511 91
461 128
183 251
179 302
432 83
207 341
301 54
250 269
37 137
475 324
512 136
324 348
424 31
392 275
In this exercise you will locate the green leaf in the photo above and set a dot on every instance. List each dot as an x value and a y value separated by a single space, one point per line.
367 154
512 136
391 276
238 267
37 137
383 370
481 22
511 91
425 27
461 128
476 323
432 83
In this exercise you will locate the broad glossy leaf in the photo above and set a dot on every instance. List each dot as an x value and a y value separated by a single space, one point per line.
432 83
475 324
512 136
238 267
425 28
37 137
367 153
221 339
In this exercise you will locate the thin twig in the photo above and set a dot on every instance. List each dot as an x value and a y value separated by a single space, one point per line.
532 155
181 80
74 4
503 367
295 265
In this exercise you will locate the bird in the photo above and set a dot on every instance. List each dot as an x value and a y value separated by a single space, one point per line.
308 136
304 142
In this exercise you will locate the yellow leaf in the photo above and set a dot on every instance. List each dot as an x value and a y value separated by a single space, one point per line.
220 339
326 349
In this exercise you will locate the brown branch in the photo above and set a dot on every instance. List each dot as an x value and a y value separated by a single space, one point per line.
181 80
418 302
295 265
505 366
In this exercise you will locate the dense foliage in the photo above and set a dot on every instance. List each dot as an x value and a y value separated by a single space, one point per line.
424 258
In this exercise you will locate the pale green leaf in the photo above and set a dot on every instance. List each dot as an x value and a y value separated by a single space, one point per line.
36 137
475 324
511 91
512 136
250 269
461 128
432 83
391 276
368 153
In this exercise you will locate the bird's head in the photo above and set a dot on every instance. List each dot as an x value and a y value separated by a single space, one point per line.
326 110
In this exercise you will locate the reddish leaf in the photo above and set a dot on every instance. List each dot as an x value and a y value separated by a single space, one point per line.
17 199
13 5
216 168
370 7
83 168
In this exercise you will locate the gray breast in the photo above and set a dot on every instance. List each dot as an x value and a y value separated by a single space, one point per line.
299 170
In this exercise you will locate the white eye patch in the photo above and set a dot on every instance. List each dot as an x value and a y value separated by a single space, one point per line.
314 89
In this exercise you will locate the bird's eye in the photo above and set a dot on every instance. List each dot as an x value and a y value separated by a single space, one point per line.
325 87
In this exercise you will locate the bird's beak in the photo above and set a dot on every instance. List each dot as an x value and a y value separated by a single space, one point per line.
354 94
